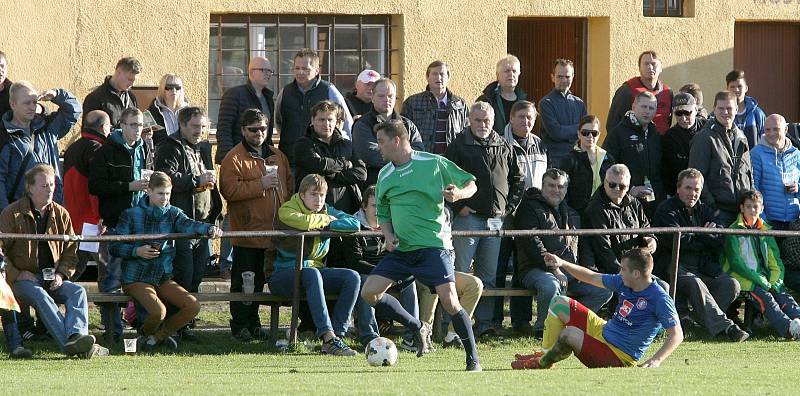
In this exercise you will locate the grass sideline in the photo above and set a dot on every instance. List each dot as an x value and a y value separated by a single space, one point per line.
219 365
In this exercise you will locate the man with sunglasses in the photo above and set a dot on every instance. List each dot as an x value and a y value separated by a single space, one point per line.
611 207
676 142
114 95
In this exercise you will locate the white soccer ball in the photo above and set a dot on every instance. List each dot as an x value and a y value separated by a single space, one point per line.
381 352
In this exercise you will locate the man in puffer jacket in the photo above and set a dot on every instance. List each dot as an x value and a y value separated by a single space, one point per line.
776 170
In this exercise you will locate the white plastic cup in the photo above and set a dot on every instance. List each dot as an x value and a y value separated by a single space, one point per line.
49 274
248 284
146 173
130 346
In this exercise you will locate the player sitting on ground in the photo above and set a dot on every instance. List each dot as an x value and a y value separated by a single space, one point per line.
643 308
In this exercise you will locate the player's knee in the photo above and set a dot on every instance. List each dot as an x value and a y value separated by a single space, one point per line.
559 299
370 296
571 336
450 303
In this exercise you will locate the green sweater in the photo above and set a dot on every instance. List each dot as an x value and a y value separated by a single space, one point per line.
741 258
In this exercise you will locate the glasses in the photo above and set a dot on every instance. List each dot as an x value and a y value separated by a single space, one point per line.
170 87
683 113
266 71
617 186
587 132
256 129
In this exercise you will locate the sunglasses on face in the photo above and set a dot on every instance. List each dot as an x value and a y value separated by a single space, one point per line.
170 87
617 186
683 113
256 129
588 132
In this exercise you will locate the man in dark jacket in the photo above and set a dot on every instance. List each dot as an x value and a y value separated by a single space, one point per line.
114 95
635 143
365 141
117 177
676 142
720 152
646 81
611 207
294 102
438 113
701 282
187 161
545 209
486 155
561 113
359 101
253 94
325 152
503 93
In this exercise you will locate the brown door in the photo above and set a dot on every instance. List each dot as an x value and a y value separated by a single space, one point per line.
537 42
769 54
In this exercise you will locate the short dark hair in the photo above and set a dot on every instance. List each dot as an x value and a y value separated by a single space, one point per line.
562 62
555 174
308 53
392 129
327 106
648 52
751 195
129 112
368 192
734 75
692 89
690 173
129 64
250 116
588 119
187 113
523 105
724 95
639 259
435 64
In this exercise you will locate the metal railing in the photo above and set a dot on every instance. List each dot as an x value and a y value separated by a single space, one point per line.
677 232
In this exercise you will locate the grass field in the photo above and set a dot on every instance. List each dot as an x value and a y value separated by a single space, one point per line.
218 365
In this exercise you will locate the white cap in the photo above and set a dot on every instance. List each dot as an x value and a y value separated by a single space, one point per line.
369 76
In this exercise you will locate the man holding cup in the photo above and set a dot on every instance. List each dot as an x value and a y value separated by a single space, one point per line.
776 170
185 156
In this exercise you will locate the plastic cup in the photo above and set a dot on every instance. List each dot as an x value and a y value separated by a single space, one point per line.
146 173
248 284
130 346
49 274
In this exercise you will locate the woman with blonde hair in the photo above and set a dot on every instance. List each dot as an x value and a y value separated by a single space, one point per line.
169 100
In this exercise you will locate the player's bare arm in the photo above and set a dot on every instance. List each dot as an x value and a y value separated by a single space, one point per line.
388 233
452 193
582 274
674 338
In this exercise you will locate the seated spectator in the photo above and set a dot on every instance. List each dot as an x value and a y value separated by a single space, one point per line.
756 263
776 170
643 310
359 101
147 265
586 164
790 253
697 93
561 113
307 211
325 151
8 314
701 282
611 207
545 209
749 118
169 100
30 262
676 142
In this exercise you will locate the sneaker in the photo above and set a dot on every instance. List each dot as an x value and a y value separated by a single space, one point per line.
536 354
474 367
78 344
169 343
21 352
336 347
794 329
736 334
145 344
259 333
187 334
243 335
95 351
421 338
527 364
452 342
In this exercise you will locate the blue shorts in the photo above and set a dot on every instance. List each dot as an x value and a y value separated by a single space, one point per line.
431 266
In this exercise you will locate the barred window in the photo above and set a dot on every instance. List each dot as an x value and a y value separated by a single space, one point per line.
346 44
663 8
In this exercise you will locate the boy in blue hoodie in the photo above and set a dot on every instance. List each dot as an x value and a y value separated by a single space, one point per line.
147 265
307 211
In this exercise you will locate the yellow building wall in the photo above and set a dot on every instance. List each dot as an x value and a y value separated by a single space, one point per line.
75 43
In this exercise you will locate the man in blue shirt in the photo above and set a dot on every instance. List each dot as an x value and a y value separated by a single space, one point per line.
643 309
561 113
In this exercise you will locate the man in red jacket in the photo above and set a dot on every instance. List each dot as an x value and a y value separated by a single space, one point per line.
647 80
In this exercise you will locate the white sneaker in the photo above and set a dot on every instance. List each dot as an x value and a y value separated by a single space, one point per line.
794 328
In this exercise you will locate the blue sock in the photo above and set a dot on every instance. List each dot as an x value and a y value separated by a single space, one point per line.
463 327
389 307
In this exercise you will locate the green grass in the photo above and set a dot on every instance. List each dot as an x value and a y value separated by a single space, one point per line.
219 365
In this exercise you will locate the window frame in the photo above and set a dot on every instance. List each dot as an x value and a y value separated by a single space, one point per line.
667 11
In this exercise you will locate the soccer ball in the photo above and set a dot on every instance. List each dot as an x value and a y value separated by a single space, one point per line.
381 352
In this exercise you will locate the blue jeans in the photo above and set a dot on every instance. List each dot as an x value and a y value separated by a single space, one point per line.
10 329
225 247
366 324
75 320
109 279
779 309
315 283
484 251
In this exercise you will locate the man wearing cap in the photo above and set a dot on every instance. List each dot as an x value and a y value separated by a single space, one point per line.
676 142
438 113
359 101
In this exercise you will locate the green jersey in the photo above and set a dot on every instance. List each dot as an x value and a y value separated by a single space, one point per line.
410 197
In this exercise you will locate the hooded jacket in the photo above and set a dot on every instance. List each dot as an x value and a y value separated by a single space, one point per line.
234 102
753 260
770 165
639 149
45 132
581 176
601 213
531 159
330 160
83 206
751 121
146 219
113 168
421 108
491 95
499 179
724 163
294 215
